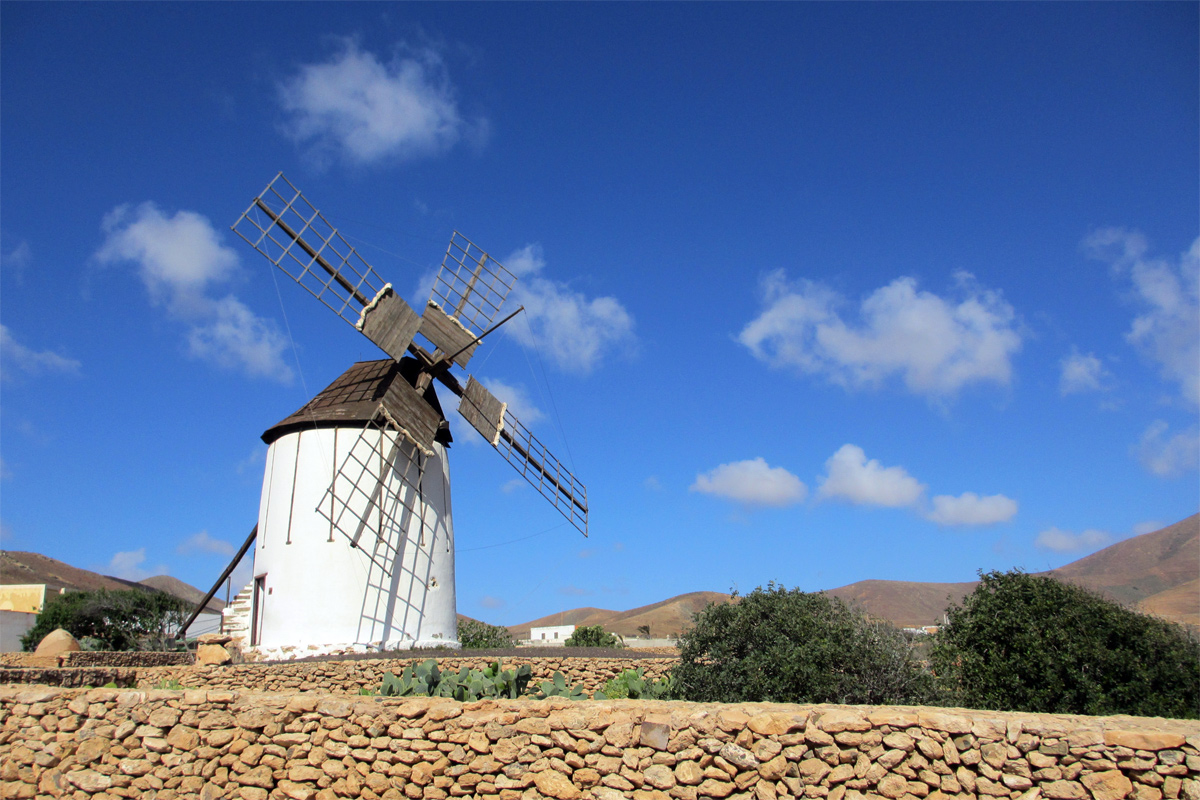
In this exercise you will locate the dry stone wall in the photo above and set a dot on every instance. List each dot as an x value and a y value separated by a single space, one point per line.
349 677
210 744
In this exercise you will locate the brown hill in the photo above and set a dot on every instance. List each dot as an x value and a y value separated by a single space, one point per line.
906 604
1180 604
1155 571
184 591
17 566
1137 568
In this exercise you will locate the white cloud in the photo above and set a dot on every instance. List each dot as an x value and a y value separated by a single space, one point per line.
971 509
517 399
936 345
516 484
1167 456
363 110
180 259
15 356
565 325
1169 295
652 483
752 483
573 591
850 476
1061 541
203 543
1149 526
1082 373
487 601
128 566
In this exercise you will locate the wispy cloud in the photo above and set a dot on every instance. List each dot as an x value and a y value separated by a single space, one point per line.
1061 541
936 345
851 477
515 484
1168 294
17 260
571 330
487 601
1082 372
517 399
1168 455
1149 526
753 483
201 542
128 566
971 509
652 484
180 259
359 108
573 591
16 357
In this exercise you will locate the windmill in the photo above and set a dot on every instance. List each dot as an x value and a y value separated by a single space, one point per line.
355 541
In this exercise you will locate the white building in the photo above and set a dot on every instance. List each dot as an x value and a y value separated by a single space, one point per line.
551 635
320 588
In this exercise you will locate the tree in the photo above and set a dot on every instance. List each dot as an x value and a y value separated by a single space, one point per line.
130 619
644 630
593 636
790 646
1030 643
474 634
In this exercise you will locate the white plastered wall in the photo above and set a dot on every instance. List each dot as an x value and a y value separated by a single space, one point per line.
318 592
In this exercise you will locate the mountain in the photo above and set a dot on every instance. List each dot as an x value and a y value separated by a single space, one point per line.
17 566
1155 572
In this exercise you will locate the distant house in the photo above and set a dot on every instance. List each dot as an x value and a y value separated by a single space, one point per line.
554 634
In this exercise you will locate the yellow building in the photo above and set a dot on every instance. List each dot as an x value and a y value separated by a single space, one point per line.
27 597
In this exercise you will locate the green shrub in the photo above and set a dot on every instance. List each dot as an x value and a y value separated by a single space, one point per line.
632 684
476 635
131 619
1030 643
593 636
427 680
560 688
791 646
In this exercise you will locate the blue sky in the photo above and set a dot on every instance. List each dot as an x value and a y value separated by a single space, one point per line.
816 292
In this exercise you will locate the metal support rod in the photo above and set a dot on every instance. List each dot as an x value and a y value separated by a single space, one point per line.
448 359
333 273
228 571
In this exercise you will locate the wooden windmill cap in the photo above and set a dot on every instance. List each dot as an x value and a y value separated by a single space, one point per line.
352 400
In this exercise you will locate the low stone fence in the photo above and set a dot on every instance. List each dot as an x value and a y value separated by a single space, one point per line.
212 744
97 658
349 677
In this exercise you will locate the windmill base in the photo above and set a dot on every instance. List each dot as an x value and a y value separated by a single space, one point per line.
293 652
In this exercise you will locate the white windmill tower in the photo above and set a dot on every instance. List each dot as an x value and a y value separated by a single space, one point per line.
355 539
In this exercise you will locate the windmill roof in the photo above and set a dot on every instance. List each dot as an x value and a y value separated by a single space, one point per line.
352 400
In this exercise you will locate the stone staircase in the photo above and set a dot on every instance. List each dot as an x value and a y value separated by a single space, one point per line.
237 617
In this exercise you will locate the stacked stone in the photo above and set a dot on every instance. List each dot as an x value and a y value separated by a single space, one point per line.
214 744
351 677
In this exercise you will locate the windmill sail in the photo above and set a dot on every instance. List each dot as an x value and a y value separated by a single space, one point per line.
293 235
525 453
376 490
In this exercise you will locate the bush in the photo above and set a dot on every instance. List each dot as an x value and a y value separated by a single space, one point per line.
1029 643
593 636
474 635
131 619
790 646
